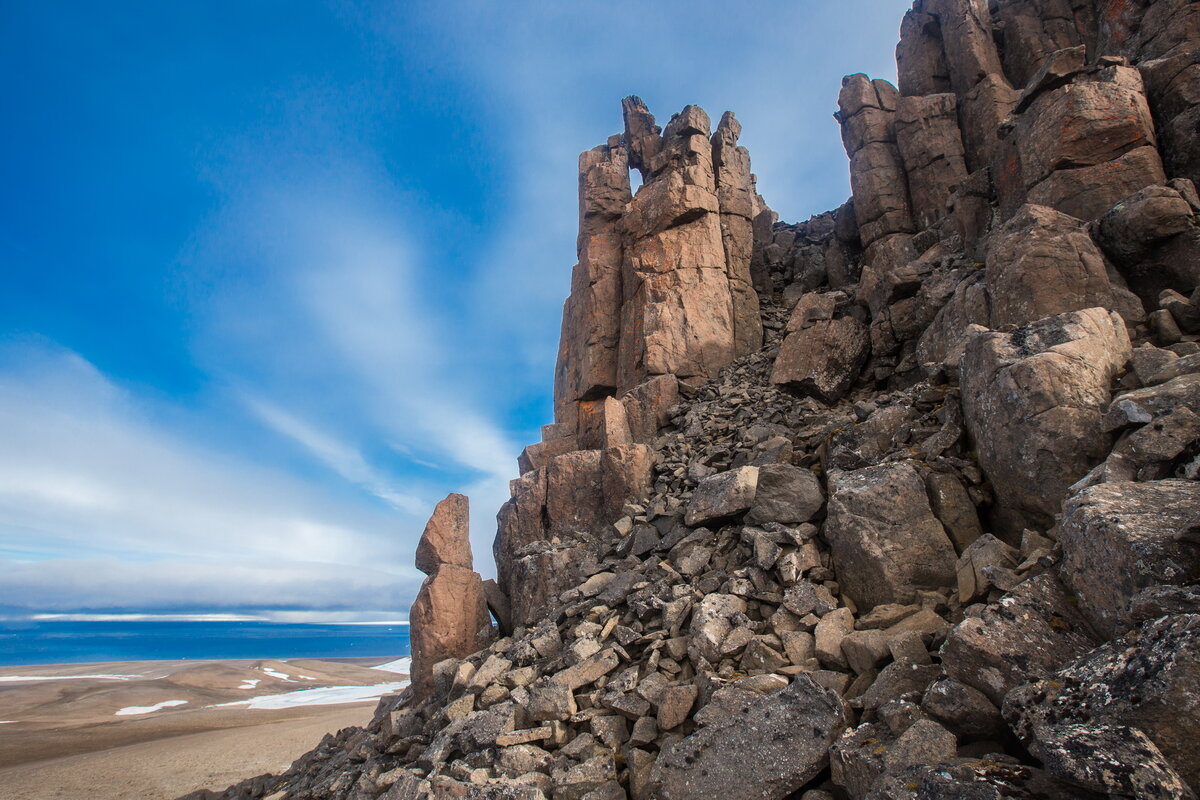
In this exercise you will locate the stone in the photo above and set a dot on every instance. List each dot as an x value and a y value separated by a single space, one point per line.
589 670
885 541
781 740
449 619
979 565
953 507
446 539
1146 683
1129 229
1041 388
722 496
1120 538
828 636
785 494
930 145
963 709
814 307
1032 631
865 651
712 622
1087 192
647 404
824 359
674 706
920 60
1041 263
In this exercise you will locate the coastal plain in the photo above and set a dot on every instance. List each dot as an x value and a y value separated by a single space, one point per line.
160 729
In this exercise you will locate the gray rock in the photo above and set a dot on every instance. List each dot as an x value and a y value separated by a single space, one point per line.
1148 682
722 496
885 541
781 741
1120 538
786 494
1029 633
1043 389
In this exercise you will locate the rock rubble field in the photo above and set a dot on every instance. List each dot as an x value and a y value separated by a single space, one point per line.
896 503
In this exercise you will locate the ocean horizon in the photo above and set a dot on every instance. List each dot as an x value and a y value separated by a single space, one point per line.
26 642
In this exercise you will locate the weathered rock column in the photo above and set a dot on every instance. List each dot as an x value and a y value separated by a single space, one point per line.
449 618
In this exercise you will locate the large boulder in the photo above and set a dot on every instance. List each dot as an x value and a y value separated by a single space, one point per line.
1034 400
823 359
1120 538
449 619
765 750
885 541
446 539
1029 633
1142 687
722 496
1043 262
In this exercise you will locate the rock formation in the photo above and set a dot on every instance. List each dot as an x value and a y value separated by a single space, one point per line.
898 502
449 618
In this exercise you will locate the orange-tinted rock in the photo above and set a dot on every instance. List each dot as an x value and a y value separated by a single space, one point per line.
647 404
449 619
447 538
931 148
920 63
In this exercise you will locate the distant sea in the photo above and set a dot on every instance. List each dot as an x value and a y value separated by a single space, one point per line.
69 642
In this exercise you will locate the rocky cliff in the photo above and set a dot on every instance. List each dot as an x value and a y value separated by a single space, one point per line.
897 502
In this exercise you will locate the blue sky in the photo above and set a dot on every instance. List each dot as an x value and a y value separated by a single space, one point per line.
280 275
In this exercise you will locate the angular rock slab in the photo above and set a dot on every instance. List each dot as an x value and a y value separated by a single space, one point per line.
1148 682
1032 631
449 619
722 496
447 538
885 541
823 360
771 748
1034 399
1043 262
1120 538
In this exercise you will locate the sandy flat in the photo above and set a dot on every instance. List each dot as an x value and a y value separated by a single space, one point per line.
162 729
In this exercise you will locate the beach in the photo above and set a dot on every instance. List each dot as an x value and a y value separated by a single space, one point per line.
160 729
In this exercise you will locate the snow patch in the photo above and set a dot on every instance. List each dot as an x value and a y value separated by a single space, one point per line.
24 678
250 683
130 711
276 674
325 696
400 665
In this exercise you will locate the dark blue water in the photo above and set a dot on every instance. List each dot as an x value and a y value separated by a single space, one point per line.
61 642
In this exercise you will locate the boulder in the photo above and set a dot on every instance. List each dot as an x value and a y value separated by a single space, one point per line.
785 494
1032 631
1142 687
824 359
449 619
930 145
1120 538
446 539
722 496
781 742
1043 262
885 541
1041 388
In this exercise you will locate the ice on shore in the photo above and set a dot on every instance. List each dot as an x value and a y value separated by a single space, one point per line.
325 696
400 665
130 711
27 678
